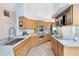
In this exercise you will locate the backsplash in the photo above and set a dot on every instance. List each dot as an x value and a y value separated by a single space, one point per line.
29 31
76 28
68 32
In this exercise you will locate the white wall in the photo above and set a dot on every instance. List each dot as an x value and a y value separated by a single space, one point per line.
6 22
19 9
34 10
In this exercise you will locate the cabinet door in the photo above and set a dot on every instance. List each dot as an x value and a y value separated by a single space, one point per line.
69 19
30 24
48 37
26 47
19 52
22 23
47 25
34 40
60 49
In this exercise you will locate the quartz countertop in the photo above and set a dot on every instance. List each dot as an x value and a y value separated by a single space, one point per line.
67 42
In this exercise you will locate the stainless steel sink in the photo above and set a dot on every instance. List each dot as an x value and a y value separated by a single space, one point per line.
14 41
58 37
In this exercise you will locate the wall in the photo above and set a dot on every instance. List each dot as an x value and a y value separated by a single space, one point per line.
34 10
19 9
6 23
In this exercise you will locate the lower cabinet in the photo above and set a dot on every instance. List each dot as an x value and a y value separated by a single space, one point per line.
54 46
60 49
34 40
18 50
48 37
57 47
23 48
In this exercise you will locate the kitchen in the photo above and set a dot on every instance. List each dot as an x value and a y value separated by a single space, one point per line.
25 26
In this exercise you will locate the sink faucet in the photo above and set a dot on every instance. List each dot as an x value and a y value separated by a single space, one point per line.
14 32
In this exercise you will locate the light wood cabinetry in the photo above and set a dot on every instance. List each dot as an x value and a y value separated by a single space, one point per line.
48 37
30 24
71 15
69 19
22 22
47 25
54 46
60 49
34 40
18 50
23 48
57 47
26 23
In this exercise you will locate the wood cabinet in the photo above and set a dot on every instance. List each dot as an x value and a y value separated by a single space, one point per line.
69 15
30 24
22 48
34 40
18 50
57 47
48 37
47 25
22 22
25 23
54 46
60 49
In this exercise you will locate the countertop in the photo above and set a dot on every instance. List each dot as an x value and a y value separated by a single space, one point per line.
25 38
67 42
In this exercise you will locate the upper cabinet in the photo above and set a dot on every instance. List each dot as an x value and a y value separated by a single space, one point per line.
22 22
30 24
58 8
25 23
69 17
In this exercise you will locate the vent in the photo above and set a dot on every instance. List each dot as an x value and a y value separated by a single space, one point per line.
6 13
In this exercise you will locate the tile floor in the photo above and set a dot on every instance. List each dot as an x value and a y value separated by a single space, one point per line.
41 50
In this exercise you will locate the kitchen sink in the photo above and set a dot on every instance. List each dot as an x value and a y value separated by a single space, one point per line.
14 41
58 36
